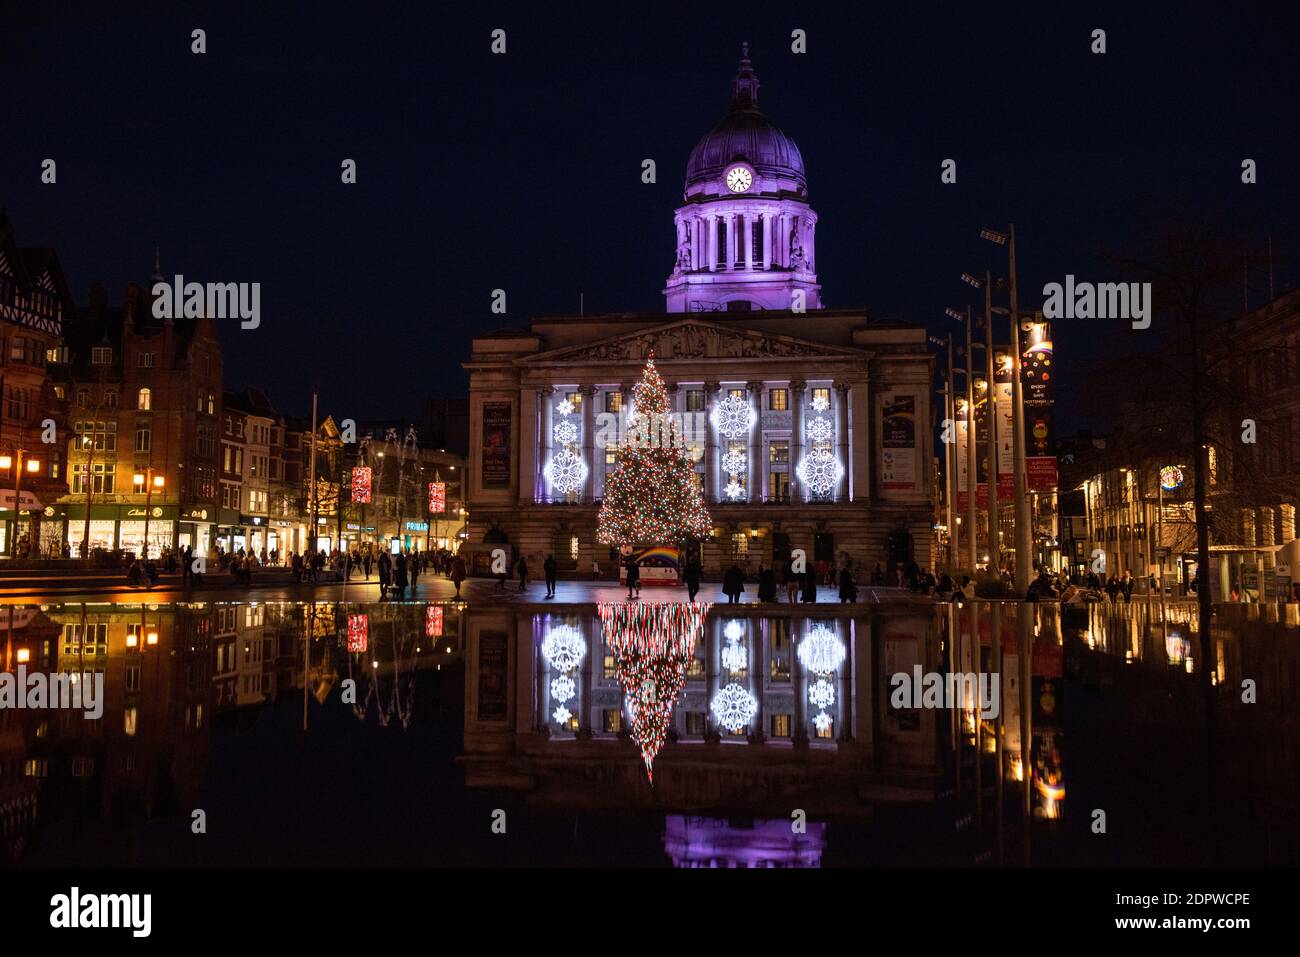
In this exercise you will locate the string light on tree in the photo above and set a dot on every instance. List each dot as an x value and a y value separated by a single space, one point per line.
653 646
650 493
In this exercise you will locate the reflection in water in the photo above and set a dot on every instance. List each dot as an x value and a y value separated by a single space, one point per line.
709 842
738 715
653 645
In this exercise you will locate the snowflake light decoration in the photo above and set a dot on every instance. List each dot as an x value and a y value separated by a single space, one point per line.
734 491
735 657
733 417
562 688
821 693
565 432
733 463
822 722
561 714
734 707
566 471
564 647
734 630
564 407
820 429
820 470
821 652
820 403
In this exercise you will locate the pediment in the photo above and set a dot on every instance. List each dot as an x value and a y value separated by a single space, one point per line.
693 339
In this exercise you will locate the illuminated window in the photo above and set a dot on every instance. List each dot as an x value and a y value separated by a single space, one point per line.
780 726
823 394
145 400
778 400
826 731
694 400
612 720
613 401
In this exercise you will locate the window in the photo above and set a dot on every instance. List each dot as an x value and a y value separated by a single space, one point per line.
101 355
20 403
575 399
738 393
205 442
778 400
780 726
57 355
198 402
613 401
612 720
101 436
103 479
145 400
821 394
83 398
212 404
110 399
778 452
143 437
144 360
694 400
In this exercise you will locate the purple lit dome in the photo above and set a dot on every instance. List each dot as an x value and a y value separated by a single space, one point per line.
747 135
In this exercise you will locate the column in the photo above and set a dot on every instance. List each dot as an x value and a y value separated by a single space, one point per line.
841 435
711 223
797 388
546 397
860 444
528 464
767 241
755 465
749 242
810 254
757 671
731 241
696 252
711 489
783 241
588 393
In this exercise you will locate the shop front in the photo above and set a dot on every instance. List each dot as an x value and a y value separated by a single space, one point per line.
415 537
117 527
194 530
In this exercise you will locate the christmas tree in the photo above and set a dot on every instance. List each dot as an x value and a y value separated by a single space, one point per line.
650 495
652 647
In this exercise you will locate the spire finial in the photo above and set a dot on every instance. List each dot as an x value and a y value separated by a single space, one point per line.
744 91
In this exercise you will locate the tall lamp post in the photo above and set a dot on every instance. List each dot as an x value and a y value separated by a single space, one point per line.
33 466
148 481
1024 527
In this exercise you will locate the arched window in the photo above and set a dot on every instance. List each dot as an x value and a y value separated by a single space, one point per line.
146 400
110 399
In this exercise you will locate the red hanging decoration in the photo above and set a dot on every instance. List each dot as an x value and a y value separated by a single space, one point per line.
358 633
437 498
361 484
433 621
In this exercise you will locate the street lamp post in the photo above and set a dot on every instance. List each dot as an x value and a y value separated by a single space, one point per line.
150 481
16 462
995 551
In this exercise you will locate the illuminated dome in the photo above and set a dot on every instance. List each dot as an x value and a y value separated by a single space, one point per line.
747 135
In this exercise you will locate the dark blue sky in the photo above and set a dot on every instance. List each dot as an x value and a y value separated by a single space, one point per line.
523 171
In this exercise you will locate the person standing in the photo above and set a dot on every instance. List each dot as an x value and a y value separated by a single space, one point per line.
522 568
385 574
691 575
809 595
595 570
415 571
187 568
733 584
848 585
548 568
633 578
458 573
766 584
400 571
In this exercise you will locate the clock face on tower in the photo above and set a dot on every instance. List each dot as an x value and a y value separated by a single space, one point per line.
739 179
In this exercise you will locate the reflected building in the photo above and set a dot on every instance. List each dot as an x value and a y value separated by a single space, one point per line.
711 842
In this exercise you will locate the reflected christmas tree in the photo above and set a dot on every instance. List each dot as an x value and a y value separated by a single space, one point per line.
652 647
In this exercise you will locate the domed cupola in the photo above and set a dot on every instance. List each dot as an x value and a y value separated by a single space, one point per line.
745 233
747 137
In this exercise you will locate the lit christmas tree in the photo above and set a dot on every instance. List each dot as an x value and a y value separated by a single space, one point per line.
652 646
650 495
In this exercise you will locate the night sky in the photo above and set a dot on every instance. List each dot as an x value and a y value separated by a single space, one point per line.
522 171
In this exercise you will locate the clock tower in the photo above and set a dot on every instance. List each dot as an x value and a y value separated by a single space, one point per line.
745 231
